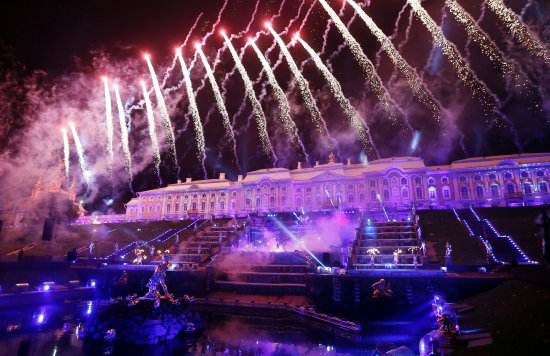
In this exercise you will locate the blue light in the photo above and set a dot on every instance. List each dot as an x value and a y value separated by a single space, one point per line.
40 318
46 287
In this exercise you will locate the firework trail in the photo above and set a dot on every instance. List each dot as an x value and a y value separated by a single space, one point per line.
479 89
288 124
356 122
417 85
220 103
139 105
170 139
367 66
199 134
110 128
80 152
487 46
66 151
124 136
152 132
309 101
518 29
329 26
256 106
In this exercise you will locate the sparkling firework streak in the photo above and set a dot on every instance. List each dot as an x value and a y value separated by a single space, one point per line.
80 152
110 129
368 69
256 106
219 102
199 134
356 122
170 139
488 47
152 131
303 85
124 134
66 152
415 82
288 124
479 89
518 29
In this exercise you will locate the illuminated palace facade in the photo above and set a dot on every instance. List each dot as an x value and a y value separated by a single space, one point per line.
391 183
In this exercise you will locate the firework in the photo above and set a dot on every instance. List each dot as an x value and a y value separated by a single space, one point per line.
80 152
110 128
366 65
356 122
199 135
124 134
152 131
284 108
170 139
303 86
476 34
256 106
518 29
464 72
66 151
219 101
415 82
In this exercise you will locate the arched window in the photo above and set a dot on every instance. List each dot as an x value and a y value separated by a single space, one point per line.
417 180
318 199
308 190
462 179
477 178
213 195
510 188
527 188
212 205
361 197
446 193
350 198
298 190
308 201
494 191
405 193
507 175
283 189
233 205
431 181
524 174
432 193
543 187
403 181
223 194
204 195
194 205
247 201
272 201
298 202
419 194
373 195
177 207
283 200
385 182
361 186
194 196
258 201
540 173
373 183
185 207
168 207
350 187
445 180
203 205
394 181
386 194
464 192
177 197
492 176
234 194
479 191
222 205
150 209
142 209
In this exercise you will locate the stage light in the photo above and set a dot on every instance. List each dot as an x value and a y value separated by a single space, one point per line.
178 50
146 56
222 32
267 24
198 45
92 283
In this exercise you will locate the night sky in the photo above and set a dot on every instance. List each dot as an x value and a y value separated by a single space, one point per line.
53 55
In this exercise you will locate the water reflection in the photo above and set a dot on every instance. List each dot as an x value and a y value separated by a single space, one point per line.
54 330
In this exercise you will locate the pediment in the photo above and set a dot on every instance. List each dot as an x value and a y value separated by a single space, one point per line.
327 176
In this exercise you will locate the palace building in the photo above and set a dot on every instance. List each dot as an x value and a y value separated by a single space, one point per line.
395 183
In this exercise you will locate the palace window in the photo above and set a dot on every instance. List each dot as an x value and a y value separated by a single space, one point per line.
361 186
194 205
185 207
431 181
507 175
373 183
373 195
477 178
394 181
543 187
212 205
494 191
350 187
222 205
361 197
385 182
464 192
492 176
298 202
168 207
350 198
213 195
510 188
446 193
318 199
527 188
479 192
417 180
283 200
247 201
403 181
298 190
272 201
283 189
432 193
233 205
308 190
445 180
178 197
462 179
176 207
540 173
524 174
223 194
386 194
169 197
419 194
150 209
234 194
151 198
308 201
194 196
203 205
405 193
258 202
158 209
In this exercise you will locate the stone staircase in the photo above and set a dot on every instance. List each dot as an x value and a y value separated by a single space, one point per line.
386 237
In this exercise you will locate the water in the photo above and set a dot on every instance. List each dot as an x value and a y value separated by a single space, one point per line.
53 330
